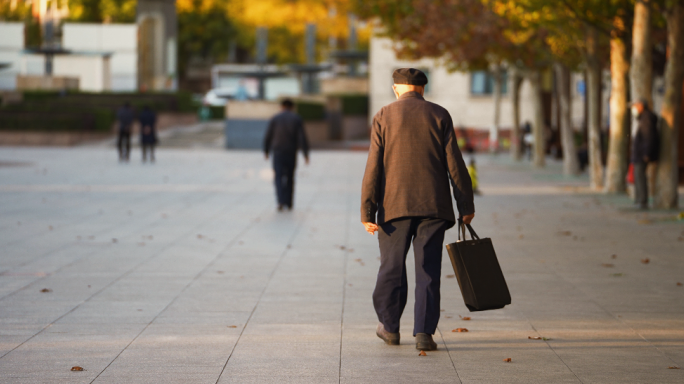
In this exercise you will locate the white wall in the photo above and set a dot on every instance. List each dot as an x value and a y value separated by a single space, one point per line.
120 39
92 70
11 45
452 91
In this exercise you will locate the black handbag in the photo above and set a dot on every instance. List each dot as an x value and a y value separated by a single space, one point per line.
478 272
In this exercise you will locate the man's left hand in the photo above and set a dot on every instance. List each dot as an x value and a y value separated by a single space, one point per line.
371 228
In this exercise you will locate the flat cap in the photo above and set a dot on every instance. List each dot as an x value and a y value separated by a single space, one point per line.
409 76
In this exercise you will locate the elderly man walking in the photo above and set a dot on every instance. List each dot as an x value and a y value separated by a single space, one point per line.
412 160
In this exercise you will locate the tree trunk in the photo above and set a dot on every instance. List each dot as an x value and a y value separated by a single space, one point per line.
570 162
538 157
641 73
494 129
594 104
667 173
516 150
619 116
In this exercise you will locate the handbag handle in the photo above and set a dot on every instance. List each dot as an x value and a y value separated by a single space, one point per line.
462 227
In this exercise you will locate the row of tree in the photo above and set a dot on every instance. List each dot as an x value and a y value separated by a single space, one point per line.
528 37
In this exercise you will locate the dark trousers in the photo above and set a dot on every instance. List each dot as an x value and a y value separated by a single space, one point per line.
640 184
284 165
391 289
147 148
124 145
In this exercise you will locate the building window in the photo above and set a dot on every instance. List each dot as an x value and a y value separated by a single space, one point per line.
482 83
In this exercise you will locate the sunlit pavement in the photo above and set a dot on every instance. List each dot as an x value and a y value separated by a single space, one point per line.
183 272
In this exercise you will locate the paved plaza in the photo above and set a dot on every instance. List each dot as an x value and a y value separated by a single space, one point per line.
183 272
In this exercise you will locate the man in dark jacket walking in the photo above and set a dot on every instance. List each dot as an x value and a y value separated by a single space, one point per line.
284 136
413 158
125 117
148 132
645 149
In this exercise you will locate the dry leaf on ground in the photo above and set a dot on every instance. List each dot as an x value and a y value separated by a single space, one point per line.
613 256
422 353
464 317
199 236
46 290
645 261
534 337
77 368
342 247
507 360
679 284
115 241
616 274
232 326
673 367
448 317
460 330
450 276
607 265
565 233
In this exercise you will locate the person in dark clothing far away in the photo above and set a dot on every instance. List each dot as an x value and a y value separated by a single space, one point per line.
645 149
284 136
148 133
413 158
125 118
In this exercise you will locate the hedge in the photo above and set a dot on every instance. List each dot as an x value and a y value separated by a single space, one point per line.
310 111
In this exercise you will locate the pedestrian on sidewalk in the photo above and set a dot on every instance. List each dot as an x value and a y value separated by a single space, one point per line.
148 132
645 149
413 158
125 118
284 136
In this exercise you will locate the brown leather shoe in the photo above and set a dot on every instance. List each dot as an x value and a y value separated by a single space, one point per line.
389 338
424 342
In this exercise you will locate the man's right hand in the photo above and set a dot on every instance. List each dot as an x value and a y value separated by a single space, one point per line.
468 218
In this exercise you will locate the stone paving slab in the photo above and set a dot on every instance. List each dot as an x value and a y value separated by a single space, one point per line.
183 272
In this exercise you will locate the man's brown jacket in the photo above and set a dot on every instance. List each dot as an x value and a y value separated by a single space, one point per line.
412 159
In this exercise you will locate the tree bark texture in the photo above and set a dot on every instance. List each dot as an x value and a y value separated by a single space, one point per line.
667 171
641 72
516 137
570 162
494 129
594 104
616 170
538 149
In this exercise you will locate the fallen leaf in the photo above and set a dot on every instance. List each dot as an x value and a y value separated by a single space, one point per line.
50 227
679 284
521 237
645 261
534 337
464 317
115 241
351 285
289 246
565 233
422 353
450 276
89 286
199 236
448 317
46 290
140 310
613 256
673 367
232 326
507 360
351 250
616 274
607 265
460 330
342 247
219 272
77 368
645 221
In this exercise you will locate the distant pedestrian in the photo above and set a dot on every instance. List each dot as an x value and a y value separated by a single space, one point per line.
472 171
645 149
284 136
148 132
125 118
412 161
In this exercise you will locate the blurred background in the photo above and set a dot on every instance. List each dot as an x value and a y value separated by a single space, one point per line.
539 79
